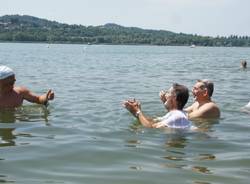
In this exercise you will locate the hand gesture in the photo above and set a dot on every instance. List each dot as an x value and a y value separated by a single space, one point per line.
162 96
50 95
133 106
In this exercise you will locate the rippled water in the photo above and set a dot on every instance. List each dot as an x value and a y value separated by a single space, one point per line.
85 136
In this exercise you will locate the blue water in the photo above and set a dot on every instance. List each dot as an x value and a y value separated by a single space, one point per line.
85 136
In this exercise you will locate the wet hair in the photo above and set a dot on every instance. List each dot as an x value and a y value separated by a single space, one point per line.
209 85
182 94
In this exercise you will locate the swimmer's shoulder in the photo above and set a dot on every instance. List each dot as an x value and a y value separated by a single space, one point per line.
21 90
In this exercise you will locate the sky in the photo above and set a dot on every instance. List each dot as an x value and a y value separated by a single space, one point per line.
202 17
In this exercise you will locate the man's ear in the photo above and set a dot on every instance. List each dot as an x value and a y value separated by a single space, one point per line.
205 92
175 99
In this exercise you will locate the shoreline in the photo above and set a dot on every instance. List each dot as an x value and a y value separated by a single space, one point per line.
72 43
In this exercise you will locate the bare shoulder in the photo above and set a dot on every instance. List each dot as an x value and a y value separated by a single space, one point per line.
206 110
211 105
21 90
211 109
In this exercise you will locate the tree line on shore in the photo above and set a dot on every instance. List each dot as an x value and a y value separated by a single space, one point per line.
16 28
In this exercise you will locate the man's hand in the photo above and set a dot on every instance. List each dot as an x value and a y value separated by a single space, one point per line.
162 95
50 95
133 106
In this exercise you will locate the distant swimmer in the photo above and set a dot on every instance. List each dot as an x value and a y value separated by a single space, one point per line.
203 107
243 64
174 100
12 96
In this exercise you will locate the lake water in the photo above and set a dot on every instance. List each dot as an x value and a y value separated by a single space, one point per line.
85 135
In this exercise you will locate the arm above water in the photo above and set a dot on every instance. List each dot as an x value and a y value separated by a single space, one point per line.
134 107
146 121
39 99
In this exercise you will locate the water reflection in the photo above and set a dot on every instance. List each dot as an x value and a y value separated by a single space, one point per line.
200 169
176 141
207 157
177 156
175 153
135 168
201 182
205 125
7 137
2 180
136 127
9 118
132 143
24 113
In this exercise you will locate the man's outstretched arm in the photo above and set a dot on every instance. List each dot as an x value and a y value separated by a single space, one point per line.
39 99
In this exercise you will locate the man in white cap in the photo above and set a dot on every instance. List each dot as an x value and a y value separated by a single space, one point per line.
12 96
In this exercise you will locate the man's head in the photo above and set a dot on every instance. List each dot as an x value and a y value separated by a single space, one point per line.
176 97
203 89
5 72
243 64
7 79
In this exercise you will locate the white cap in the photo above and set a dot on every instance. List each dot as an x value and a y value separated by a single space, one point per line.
5 72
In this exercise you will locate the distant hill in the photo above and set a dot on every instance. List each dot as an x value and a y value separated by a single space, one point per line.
16 28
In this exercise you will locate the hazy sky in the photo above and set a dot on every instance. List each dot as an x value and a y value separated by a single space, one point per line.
203 17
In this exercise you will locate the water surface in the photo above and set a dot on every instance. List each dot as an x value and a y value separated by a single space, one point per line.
85 136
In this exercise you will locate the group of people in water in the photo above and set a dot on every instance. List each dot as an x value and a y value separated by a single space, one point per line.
174 100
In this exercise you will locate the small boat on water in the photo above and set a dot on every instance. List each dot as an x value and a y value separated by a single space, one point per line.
192 46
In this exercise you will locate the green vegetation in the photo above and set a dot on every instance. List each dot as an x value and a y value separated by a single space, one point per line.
16 28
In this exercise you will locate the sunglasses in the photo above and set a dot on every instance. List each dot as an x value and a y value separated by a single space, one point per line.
9 83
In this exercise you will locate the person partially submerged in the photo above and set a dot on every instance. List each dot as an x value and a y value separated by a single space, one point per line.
203 106
243 64
12 96
174 101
